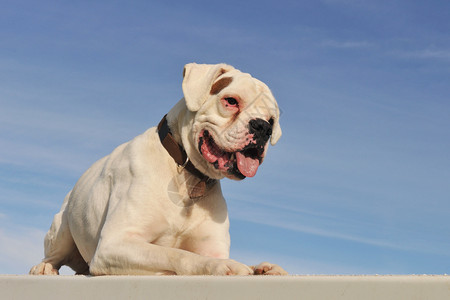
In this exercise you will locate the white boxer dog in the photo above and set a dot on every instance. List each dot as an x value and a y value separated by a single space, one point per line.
154 205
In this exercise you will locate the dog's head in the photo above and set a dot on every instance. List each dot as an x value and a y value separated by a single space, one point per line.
234 116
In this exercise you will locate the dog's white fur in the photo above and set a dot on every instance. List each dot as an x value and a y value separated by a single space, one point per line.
129 213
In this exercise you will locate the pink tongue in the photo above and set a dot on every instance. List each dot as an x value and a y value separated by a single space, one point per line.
247 165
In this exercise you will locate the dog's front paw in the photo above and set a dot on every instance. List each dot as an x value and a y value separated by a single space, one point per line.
266 268
43 269
227 267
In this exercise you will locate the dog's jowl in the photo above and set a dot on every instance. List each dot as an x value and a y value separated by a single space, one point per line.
155 205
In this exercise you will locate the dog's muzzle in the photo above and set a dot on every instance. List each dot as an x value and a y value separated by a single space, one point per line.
242 162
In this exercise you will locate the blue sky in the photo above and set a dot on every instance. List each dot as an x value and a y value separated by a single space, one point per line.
359 182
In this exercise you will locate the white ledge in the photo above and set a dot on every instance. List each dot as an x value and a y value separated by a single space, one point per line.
216 287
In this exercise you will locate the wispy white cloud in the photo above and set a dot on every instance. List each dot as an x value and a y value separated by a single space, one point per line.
33 137
282 221
14 196
329 226
355 3
408 50
347 44
426 54
20 247
66 124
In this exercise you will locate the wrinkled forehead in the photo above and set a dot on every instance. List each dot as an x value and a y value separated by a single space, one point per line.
253 93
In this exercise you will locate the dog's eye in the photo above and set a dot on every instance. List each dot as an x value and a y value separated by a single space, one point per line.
231 101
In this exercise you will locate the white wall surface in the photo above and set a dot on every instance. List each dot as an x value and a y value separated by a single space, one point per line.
210 287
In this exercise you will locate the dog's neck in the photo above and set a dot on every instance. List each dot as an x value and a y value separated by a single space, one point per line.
180 157
174 117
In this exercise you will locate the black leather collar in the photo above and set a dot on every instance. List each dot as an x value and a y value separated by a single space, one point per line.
179 155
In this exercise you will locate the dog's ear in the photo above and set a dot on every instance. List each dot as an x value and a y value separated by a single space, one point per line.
198 80
276 129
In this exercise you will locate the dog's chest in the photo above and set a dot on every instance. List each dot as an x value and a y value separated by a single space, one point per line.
181 225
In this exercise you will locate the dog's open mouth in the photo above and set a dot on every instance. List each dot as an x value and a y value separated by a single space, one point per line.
242 163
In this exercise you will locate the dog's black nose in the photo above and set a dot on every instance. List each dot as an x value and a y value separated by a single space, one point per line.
260 128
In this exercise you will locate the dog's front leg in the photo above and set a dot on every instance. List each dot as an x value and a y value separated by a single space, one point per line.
135 256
